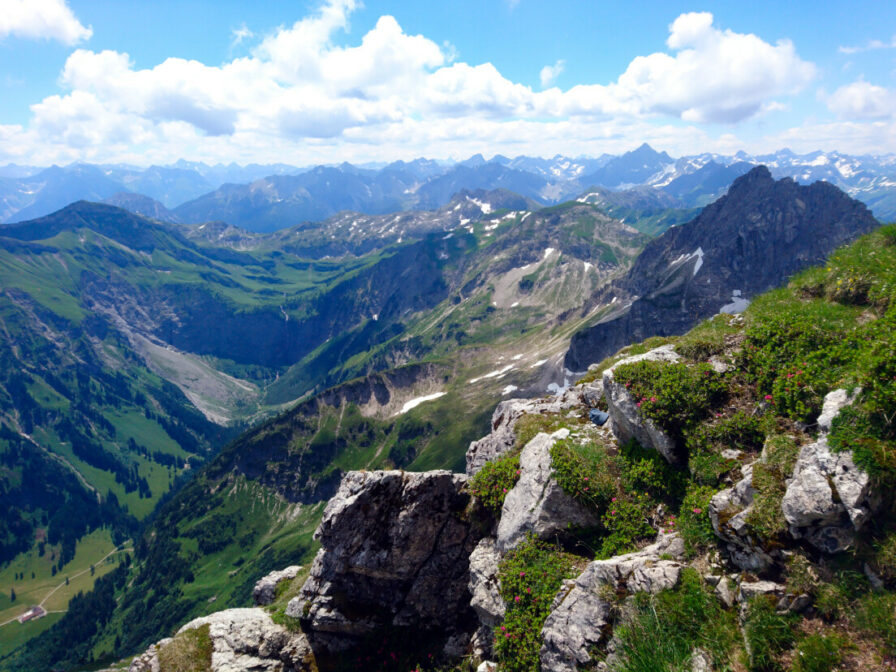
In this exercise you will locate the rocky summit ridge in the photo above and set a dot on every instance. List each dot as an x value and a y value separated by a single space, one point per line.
695 519
749 241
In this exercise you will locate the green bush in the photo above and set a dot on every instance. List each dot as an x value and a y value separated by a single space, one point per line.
625 522
586 472
694 524
530 576
644 469
885 557
766 632
491 484
769 476
674 396
706 441
819 653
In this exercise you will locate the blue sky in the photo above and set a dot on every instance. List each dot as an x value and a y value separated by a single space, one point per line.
331 80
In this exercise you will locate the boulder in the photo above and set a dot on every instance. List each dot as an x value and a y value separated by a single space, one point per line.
265 590
728 512
583 608
502 437
829 498
537 504
627 422
395 551
242 639
484 585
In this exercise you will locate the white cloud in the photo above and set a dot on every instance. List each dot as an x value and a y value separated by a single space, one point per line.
301 95
549 73
861 100
871 45
41 20
240 34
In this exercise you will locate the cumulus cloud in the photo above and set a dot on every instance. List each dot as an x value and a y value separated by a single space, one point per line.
550 73
862 100
41 20
300 90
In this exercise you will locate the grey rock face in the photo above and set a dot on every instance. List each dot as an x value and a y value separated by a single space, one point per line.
581 610
504 419
484 586
829 498
728 512
395 551
752 239
537 503
242 639
265 590
627 421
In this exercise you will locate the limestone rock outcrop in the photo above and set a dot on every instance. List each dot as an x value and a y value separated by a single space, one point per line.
729 511
627 421
829 498
582 609
537 504
242 639
265 590
395 550
504 419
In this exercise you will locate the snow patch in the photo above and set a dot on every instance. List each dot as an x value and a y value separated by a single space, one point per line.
514 304
538 363
492 374
515 357
548 252
413 403
588 265
738 304
509 389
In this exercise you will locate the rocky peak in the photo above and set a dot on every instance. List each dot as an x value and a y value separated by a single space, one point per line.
749 241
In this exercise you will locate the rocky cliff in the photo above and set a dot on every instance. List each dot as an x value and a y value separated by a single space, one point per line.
749 241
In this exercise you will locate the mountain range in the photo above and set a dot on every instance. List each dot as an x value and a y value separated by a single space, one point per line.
137 350
267 198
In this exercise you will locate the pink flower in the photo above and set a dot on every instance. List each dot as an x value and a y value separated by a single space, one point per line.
653 399
522 573
586 478
768 397
698 510
504 490
639 404
516 599
613 500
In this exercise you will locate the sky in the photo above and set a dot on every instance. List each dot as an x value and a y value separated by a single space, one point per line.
306 82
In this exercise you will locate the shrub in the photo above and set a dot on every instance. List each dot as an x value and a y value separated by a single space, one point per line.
819 653
626 524
801 576
190 651
706 441
586 472
769 476
491 484
885 557
694 524
766 632
674 396
528 426
530 576
644 469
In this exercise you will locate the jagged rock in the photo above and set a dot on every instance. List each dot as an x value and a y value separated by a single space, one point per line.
265 591
242 639
626 418
751 240
504 419
728 512
484 586
148 661
395 551
750 589
700 661
582 609
537 503
726 592
592 392
828 498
